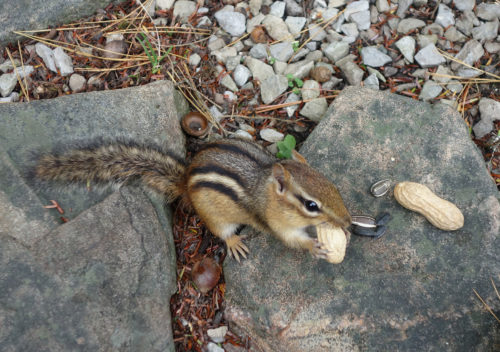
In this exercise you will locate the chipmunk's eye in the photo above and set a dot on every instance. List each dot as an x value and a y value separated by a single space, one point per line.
311 205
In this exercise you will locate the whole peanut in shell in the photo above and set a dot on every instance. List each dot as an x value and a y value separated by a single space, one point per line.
440 213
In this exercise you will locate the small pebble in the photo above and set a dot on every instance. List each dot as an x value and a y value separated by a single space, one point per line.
271 135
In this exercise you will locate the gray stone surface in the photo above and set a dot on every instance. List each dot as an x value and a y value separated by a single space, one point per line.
98 283
411 290
103 280
39 14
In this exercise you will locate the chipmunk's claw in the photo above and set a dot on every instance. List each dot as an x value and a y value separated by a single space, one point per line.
235 247
318 251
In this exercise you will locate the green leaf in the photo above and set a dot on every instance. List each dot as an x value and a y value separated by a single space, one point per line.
285 147
299 82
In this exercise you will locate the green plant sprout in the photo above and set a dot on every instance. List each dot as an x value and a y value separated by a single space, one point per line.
295 46
271 60
151 53
285 147
294 83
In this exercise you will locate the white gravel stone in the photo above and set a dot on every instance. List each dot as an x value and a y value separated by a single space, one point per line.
276 28
310 89
315 109
272 87
227 81
184 9
204 22
215 112
271 135
406 46
231 22
77 83
442 74
336 50
63 61
409 24
243 134
277 8
336 3
7 65
164 4
492 47
355 6
13 97
382 5
290 110
424 40
241 74
486 31
445 16
372 71
329 13
194 59
454 35
281 51
372 82
259 51
212 347
465 23
229 96
316 32
215 43
255 6
47 56
373 57
490 111
429 57
430 90
469 54
455 86
279 67
295 24
95 81
222 54
352 72
464 5
299 69
293 9
351 32
488 11
403 6
8 81
362 19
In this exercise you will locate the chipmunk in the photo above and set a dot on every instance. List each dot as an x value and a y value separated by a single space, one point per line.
229 183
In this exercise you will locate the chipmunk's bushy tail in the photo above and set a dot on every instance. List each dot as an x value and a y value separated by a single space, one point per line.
116 163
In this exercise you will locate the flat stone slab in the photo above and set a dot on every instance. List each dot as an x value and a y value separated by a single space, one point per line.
39 14
410 290
103 280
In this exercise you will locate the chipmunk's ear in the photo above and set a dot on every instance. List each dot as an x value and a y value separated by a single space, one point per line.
280 178
298 157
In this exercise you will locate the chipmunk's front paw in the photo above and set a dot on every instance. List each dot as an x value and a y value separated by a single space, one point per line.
318 251
235 247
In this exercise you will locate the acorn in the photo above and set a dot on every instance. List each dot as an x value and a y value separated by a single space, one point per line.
195 124
206 274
